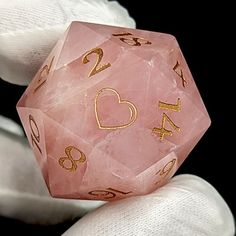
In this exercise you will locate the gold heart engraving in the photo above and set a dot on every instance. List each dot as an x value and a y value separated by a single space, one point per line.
132 109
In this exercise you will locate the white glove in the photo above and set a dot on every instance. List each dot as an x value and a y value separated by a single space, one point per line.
30 28
186 206
23 193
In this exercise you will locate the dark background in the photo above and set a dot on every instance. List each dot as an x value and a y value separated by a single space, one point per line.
205 37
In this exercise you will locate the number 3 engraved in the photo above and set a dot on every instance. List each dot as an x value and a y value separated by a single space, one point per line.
68 158
132 40
96 68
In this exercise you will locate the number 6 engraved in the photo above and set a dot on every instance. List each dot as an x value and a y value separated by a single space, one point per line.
35 135
68 158
164 172
96 68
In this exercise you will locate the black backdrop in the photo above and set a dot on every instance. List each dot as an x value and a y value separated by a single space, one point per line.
203 36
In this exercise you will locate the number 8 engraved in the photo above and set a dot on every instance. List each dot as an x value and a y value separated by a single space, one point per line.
69 159
35 135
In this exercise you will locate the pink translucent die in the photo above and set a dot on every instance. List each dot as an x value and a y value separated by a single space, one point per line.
112 113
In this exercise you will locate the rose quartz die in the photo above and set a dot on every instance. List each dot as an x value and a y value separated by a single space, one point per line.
112 113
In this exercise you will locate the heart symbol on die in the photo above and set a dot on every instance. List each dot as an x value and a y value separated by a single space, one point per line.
132 110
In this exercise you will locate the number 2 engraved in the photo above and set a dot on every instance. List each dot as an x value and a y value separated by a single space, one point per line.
96 68
108 193
164 172
131 40
162 131
72 161
44 72
35 135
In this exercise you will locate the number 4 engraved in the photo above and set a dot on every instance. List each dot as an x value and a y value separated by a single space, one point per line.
162 131
179 73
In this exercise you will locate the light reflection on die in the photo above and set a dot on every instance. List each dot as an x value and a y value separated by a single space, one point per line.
112 113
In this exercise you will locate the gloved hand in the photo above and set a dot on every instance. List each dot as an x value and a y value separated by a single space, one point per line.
187 205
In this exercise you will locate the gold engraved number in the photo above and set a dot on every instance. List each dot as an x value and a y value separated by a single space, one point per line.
44 72
164 172
172 107
165 118
108 193
35 135
132 40
70 160
96 68
180 73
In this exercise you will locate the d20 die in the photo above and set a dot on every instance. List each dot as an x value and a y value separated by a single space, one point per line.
112 113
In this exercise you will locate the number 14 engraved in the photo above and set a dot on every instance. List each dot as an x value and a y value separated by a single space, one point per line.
162 131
